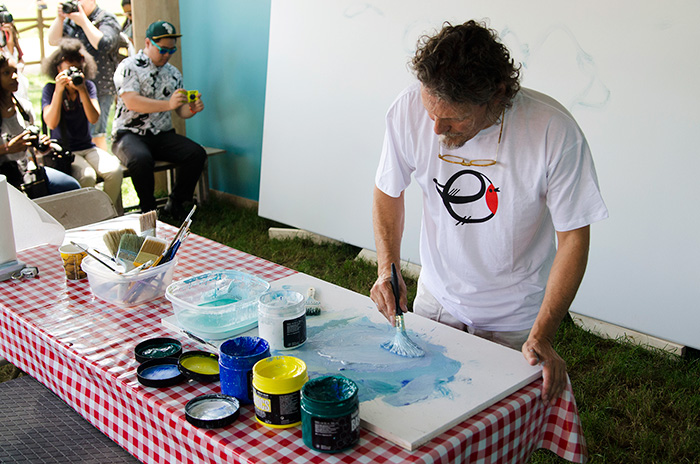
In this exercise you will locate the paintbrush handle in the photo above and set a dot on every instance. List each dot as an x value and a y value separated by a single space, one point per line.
95 258
395 288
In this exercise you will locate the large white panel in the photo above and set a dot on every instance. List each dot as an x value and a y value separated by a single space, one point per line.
625 69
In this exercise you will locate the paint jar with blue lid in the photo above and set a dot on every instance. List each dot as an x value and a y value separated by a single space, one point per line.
236 360
330 414
277 383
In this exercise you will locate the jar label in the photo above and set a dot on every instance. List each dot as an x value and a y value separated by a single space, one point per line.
250 384
295 331
337 433
277 409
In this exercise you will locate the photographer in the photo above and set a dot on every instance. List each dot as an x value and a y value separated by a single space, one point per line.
98 30
9 44
16 116
69 106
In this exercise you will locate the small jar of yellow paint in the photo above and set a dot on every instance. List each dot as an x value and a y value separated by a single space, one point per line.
277 383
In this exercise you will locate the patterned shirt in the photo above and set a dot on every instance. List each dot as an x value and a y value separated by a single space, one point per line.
107 53
138 74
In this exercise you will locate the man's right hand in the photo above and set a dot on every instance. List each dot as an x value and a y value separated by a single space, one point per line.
178 98
383 296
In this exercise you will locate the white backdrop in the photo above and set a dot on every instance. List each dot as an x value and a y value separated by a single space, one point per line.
627 70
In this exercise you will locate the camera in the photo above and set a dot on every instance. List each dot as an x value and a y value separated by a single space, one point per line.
36 142
191 95
69 6
75 75
5 16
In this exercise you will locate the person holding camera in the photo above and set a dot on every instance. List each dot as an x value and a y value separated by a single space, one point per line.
9 45
98 30
19 136
69 107
149 89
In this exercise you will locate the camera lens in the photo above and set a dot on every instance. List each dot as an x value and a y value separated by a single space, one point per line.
77 79
75 75
69 7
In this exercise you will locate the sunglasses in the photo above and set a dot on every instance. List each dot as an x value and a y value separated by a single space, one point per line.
163 50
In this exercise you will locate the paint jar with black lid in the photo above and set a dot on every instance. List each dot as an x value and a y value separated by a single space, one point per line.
330 414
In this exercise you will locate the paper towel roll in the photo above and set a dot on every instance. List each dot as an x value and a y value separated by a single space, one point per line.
7 236
32 225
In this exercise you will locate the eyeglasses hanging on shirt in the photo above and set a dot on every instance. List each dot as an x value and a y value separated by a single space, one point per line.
454 159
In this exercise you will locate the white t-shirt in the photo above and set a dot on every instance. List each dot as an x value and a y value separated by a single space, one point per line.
488 233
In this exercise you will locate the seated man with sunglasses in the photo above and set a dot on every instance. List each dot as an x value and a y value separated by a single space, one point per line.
503 172
149 88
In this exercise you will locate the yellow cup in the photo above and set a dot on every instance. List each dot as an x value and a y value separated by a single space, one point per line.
72 256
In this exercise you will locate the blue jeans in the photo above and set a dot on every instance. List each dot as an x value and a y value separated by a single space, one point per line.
58 181
99 129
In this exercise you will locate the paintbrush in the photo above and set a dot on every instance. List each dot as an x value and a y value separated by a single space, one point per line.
177 239
113 237
147 222
313 306
96 258
129 247
151 250
401 344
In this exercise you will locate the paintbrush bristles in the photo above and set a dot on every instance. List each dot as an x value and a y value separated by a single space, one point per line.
113 237
401 344
147 222
129 247
151 250
313 306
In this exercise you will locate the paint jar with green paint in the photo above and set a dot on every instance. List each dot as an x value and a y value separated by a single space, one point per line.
330 414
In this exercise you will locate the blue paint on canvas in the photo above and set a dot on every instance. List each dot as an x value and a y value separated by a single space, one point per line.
351 347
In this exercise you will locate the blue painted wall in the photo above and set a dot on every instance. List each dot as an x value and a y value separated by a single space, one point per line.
224 53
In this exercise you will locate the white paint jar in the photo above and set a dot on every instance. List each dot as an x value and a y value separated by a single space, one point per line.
282 319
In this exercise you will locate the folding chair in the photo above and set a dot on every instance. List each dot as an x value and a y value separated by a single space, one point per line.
77 208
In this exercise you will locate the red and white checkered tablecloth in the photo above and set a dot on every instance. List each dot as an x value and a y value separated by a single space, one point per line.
82 349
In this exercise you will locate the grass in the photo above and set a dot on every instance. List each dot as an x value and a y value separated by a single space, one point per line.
636 405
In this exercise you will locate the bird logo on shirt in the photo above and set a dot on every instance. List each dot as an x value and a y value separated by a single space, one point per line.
469 197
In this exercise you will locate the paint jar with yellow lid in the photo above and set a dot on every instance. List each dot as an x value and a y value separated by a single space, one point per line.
277 383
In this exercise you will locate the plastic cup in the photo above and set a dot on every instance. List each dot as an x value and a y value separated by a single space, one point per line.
72 256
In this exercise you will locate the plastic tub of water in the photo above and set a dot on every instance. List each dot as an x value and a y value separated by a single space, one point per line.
128 290
217 304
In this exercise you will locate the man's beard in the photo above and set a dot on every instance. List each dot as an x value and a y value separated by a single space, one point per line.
451 141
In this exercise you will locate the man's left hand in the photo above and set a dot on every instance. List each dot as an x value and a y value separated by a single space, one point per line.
553 367
197 105
79 17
